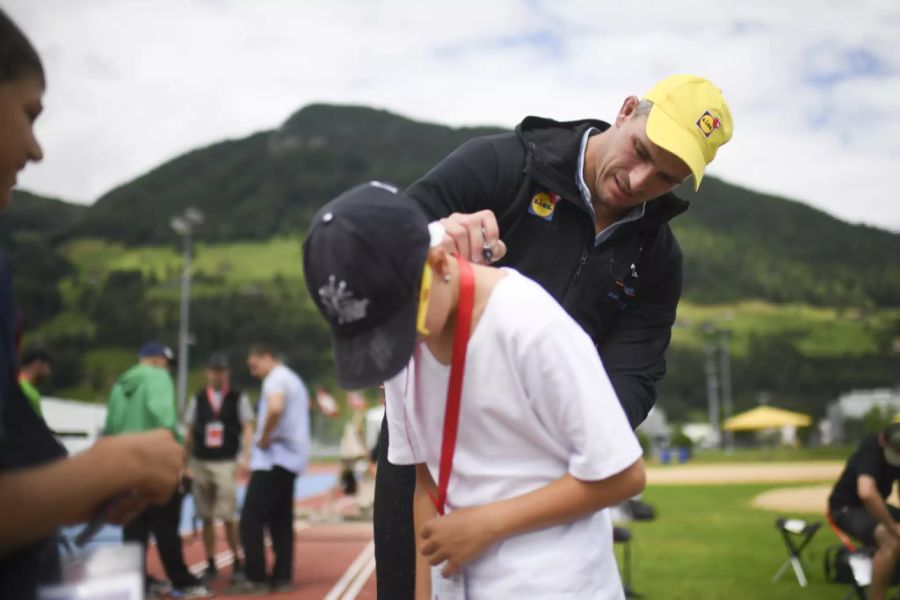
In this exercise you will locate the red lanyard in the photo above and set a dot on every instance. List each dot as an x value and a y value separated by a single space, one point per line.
457 368
212 407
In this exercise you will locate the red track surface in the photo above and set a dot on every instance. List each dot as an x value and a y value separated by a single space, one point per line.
331 560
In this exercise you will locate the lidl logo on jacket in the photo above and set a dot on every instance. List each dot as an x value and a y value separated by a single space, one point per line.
543 205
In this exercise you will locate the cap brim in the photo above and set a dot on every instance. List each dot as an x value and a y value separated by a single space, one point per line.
669 135
373 357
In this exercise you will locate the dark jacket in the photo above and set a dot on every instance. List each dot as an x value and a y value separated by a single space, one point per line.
25 441
623 292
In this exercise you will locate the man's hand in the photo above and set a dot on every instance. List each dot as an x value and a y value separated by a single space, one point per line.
243 466
160 460
264 442
124 508
469 235
154 461
457 538
895 531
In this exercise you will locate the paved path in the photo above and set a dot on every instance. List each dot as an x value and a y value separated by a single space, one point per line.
794 472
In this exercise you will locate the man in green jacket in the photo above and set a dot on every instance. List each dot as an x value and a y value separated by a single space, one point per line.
143 398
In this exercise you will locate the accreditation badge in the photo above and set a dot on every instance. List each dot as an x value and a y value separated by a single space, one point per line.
215 434
447 588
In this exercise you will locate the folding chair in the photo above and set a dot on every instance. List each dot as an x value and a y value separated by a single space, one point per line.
797 534
858 590
622 535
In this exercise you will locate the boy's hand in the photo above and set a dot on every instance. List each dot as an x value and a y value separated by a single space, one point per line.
457 538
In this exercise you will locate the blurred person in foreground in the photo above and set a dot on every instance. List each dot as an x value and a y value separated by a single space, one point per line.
143 399
41 489
280 453
858 503
219 422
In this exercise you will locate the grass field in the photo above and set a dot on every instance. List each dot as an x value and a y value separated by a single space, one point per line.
818 332
236 264
708 543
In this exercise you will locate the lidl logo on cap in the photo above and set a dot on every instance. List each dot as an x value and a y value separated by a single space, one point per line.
708 123
543 204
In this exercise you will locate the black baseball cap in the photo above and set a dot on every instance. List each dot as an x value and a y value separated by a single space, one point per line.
217 362
155 349
363 259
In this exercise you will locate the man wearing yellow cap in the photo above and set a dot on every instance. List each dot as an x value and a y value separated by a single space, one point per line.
582 207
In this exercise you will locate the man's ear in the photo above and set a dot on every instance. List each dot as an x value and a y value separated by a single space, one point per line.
627 110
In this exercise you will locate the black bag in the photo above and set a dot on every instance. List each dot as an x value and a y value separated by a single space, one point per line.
640 511
837 563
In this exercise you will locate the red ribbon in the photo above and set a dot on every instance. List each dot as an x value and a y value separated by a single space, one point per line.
457 368
209 400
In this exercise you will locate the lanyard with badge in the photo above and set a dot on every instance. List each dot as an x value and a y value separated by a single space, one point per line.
453 587
214 432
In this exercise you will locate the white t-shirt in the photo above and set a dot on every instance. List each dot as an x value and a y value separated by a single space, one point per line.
290 439
536 404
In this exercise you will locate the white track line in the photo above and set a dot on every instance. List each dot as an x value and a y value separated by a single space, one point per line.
361 579
225 557
361 562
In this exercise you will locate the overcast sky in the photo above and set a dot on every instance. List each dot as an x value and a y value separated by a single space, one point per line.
813 85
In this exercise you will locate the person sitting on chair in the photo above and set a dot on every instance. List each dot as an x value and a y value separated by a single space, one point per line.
858 507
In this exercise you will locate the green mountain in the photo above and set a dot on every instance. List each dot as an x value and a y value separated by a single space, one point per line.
29 213
743 244
30 230
813 302
738 243
272 182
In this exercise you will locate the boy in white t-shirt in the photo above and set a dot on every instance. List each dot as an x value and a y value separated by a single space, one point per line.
543 445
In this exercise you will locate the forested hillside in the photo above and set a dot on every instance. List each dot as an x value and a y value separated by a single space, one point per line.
814 303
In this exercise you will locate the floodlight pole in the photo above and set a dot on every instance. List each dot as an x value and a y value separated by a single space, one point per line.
184 225
712 390
725 374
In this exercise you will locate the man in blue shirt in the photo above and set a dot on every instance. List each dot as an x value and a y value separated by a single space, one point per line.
280 452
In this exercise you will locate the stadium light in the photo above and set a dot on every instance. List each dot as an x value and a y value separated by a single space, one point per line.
184 226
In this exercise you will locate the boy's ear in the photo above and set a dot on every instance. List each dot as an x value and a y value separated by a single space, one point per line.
439 261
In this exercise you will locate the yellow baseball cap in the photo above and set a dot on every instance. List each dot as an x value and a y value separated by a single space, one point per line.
690 119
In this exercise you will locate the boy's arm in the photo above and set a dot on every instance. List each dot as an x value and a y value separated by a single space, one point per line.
464 534
423 512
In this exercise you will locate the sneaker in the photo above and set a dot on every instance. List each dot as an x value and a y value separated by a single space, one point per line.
282 587
157 588
237 573
247 588
192 591
210 573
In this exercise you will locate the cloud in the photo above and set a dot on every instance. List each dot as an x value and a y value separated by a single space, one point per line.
814 84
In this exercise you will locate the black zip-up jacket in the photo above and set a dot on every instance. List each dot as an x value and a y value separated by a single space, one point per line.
623 292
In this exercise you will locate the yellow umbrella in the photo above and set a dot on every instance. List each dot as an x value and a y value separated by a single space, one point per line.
766 417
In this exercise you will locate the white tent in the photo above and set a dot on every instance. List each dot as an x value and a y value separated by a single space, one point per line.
77 424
